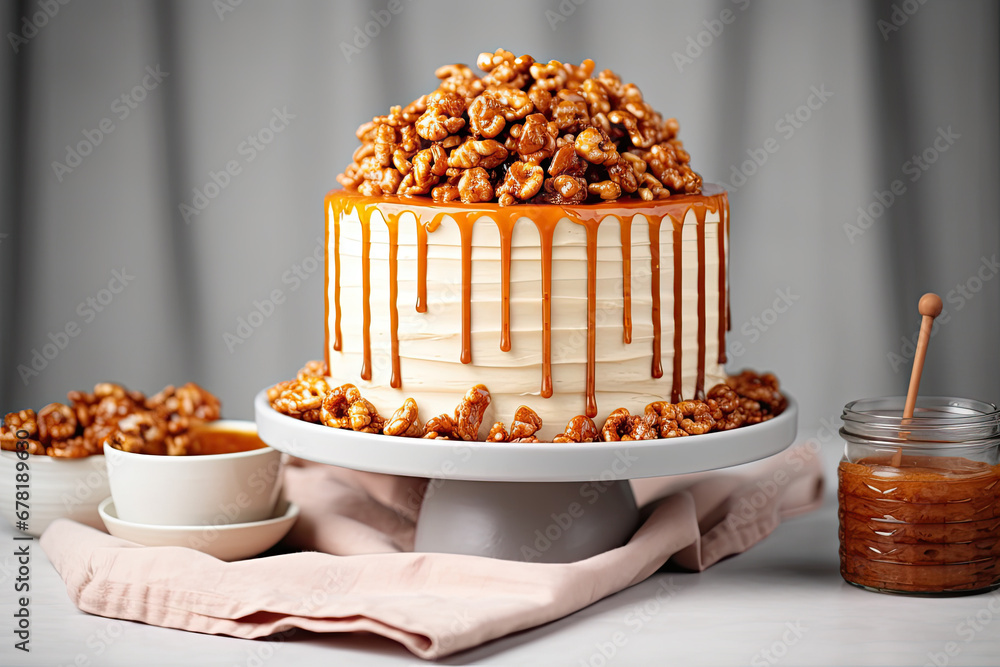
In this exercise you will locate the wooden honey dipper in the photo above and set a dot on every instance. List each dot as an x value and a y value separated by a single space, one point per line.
930 306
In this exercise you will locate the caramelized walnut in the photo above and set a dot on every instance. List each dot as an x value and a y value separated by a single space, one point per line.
487 153
435 124
595 147
470 412
440 427
564 189
474 186
498 433
526 422
523 427
579 429
405 421
73 448
523 111
760 388
522 183
141 433
21 426
363 417
485 117
723 408
316 368
56 422
335 406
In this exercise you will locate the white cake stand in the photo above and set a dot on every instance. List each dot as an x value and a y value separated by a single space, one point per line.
542 502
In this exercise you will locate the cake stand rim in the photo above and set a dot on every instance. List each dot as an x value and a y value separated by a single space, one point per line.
524 462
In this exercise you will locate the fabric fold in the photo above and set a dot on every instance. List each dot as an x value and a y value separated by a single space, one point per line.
363 579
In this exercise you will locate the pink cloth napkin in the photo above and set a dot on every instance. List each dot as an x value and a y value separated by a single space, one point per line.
433 604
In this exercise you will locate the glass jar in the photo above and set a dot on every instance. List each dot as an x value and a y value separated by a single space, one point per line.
919 499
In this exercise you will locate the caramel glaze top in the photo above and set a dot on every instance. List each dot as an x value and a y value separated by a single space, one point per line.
545 217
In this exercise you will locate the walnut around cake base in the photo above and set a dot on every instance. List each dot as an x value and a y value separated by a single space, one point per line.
744 399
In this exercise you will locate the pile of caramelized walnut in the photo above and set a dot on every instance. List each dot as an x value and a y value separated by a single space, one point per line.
550 133
128 420
747 398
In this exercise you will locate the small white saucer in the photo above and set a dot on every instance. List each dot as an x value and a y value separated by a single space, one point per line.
229 543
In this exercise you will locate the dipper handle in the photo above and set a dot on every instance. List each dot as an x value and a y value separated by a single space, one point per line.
930 306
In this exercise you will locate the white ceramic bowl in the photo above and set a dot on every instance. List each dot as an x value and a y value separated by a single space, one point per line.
204 490
234 542
70 488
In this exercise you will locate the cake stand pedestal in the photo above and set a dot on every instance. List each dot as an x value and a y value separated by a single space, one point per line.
541 502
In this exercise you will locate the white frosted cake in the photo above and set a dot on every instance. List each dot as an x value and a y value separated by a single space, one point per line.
569 329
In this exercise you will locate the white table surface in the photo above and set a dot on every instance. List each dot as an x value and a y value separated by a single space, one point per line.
782 602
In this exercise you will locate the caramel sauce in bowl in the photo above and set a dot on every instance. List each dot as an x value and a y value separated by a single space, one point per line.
919 499
229 477
223 438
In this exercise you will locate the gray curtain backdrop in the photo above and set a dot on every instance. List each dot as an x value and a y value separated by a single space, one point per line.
859 141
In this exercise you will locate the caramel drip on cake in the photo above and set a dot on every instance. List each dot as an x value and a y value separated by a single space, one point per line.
591 219
545 219
326 282
675 388
654 265
392 222
366 299
506 227
592 318
465 228
699 387
423 228
626 233
331 201
724 289
421 267
546 227
723 285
